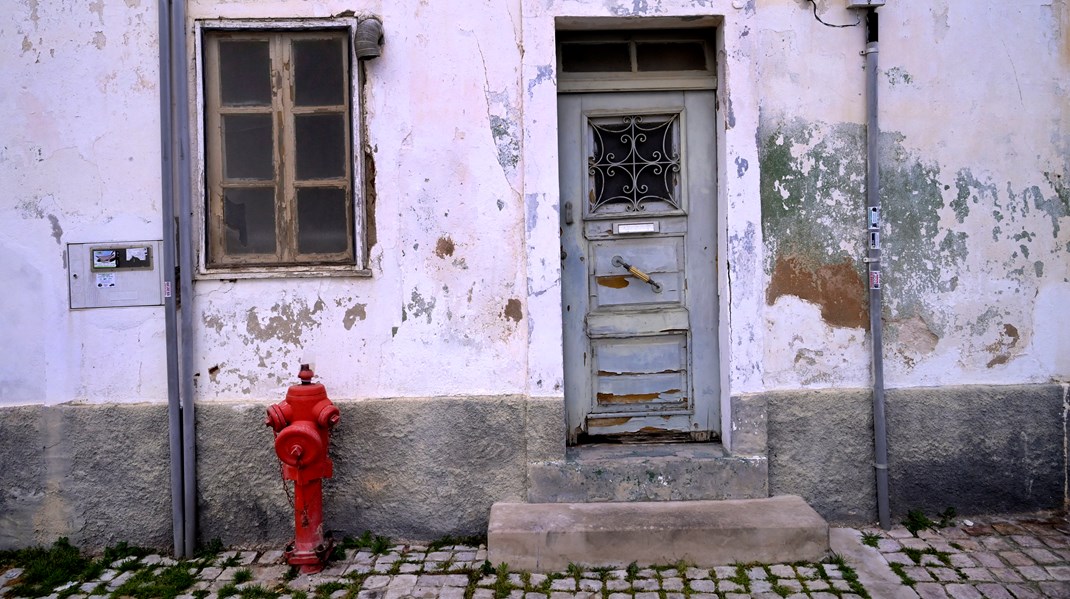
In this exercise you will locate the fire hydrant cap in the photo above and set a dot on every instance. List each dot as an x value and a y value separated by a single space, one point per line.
299 444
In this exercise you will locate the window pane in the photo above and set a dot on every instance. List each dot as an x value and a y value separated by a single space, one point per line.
635 164
322 222
321 146
245 73
319 77
249 218
671 56
248 143
589 58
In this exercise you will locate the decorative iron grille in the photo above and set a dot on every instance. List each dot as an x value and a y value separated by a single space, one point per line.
635 163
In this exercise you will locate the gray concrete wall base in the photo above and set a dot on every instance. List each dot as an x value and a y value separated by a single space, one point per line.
96 474
750 426
978 449
423 468
407 468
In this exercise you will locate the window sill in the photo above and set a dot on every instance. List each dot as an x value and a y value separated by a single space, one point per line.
289 272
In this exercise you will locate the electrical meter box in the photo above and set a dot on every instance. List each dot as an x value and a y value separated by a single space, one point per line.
112 275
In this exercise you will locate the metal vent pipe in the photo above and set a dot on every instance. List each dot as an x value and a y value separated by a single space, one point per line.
369 38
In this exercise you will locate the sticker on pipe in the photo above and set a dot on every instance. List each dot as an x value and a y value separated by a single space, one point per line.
874 279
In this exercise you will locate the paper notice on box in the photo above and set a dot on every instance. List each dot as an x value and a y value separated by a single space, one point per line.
105 279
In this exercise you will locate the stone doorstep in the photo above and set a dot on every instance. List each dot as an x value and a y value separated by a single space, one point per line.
549 536
655 472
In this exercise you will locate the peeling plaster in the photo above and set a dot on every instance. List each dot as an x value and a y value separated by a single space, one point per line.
513 311
836 288
97 7
936 255
287 323
543 73
357 312
419 306
57 230
1001 348
911 338
444 247
898 76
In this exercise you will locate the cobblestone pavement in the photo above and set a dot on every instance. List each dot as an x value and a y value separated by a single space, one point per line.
997 558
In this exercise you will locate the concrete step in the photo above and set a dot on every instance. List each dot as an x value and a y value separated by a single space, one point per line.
545 537
663 472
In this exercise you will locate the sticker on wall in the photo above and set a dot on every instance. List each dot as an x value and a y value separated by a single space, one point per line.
105 279
105 259
874 279
137 256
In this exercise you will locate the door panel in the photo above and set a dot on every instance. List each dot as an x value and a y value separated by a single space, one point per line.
639 263
613 286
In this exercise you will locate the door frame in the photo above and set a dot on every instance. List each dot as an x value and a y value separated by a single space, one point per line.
718 416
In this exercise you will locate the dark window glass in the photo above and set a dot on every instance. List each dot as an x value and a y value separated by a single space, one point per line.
248 143
591 58
634 163
249 220
245 73
318 73
321 146
322 222
670 56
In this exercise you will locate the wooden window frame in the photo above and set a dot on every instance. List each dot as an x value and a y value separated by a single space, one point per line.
213 261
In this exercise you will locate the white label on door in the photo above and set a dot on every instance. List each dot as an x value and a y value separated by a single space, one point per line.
626 228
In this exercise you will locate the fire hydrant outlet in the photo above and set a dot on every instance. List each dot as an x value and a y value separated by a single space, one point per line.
328 417
300 443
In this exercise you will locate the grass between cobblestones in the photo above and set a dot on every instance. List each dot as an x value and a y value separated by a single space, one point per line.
369 567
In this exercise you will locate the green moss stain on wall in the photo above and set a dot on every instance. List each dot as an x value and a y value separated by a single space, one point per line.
813 214
920 257
812 184
938 253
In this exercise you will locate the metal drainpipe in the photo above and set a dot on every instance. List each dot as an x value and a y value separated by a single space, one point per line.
873 204
180 86
167 206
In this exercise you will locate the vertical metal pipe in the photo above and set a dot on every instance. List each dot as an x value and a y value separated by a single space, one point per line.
180 83
167 207
873 205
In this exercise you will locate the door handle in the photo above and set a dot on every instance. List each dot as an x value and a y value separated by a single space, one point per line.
568 213
642 276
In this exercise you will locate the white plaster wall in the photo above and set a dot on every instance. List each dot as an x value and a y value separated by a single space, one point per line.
79 162
443 310
464 292
996 110
973 92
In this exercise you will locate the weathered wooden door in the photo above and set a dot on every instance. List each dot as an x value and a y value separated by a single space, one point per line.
638 202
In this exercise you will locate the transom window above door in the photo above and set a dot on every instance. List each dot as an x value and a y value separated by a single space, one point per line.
652 59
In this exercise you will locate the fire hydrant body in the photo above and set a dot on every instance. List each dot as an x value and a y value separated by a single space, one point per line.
302 425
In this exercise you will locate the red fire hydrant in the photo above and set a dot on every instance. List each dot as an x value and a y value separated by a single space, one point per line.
302 425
